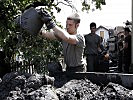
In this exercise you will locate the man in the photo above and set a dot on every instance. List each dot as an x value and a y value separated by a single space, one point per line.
73 42
127 49
92 41
120 53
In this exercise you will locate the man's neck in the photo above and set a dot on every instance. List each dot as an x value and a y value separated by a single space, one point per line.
92 33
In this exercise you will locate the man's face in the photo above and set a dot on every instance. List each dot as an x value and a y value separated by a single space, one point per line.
71 26
93 29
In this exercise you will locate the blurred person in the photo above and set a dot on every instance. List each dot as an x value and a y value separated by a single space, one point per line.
120 53
103 64
102 48
127 50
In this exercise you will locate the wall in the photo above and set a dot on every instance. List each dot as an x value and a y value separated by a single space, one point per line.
106 34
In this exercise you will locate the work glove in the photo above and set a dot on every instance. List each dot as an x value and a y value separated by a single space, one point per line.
46 18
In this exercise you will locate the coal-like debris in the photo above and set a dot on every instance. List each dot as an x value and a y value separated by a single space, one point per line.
20 86
24 86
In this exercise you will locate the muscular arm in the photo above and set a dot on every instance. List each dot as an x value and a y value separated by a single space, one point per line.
61 34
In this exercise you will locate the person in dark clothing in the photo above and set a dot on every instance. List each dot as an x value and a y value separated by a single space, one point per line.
120 52
92 41
103 65
127 50
101 45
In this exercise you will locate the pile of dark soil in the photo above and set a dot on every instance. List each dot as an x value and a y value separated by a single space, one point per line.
24 86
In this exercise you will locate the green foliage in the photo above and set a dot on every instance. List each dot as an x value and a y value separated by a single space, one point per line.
86 4
14 41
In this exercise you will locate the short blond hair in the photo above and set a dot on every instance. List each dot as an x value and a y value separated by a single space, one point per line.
75 17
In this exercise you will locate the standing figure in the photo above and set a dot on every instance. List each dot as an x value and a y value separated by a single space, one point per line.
120 53
92 41
127 50
72 41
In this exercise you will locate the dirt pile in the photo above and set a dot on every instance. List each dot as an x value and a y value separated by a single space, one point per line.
19 86
24 86
86 90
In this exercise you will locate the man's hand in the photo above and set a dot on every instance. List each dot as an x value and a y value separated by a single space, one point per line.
46 34
46 18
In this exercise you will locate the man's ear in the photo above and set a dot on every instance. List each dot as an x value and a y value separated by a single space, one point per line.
77 25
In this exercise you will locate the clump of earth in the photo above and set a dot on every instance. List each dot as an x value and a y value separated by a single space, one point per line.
25 86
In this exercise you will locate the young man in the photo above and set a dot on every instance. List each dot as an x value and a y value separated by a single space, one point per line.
73 42
92 41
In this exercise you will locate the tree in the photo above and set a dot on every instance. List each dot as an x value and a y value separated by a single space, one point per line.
33 49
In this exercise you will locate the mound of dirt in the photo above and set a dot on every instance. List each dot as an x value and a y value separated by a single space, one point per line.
24 86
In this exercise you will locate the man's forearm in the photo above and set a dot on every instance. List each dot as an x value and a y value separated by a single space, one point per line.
57 33
63 35
49 35
60 33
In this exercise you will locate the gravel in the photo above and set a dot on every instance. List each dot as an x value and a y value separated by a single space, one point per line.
25 86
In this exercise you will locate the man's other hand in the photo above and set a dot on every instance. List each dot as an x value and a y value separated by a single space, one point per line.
46 18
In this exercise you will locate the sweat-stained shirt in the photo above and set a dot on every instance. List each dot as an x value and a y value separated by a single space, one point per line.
73 54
